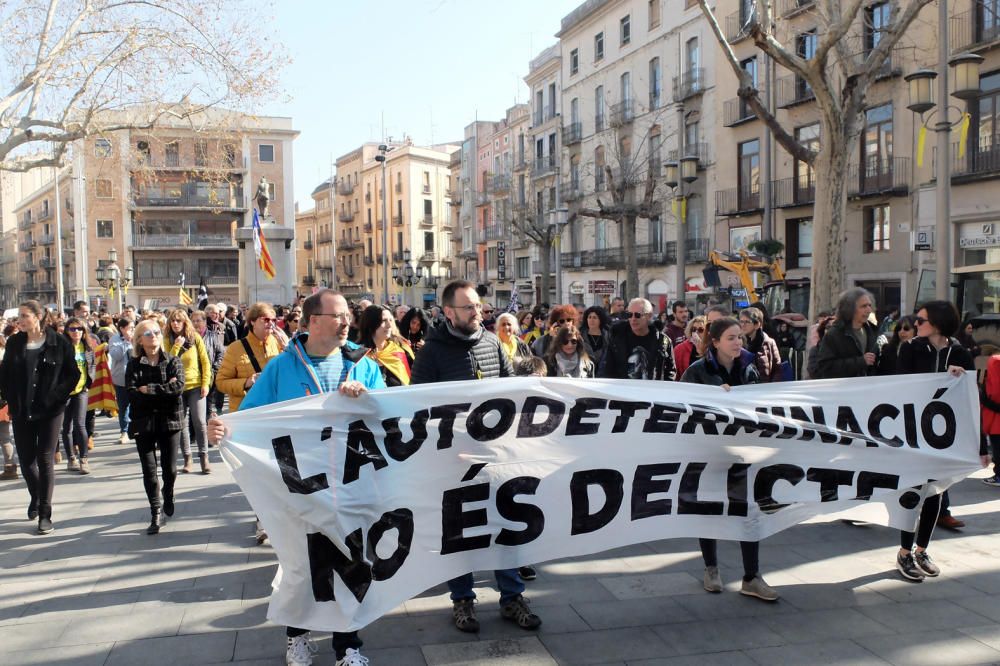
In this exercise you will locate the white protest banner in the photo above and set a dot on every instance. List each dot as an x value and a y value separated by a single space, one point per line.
369 501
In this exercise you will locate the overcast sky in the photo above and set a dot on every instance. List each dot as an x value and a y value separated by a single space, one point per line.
426 68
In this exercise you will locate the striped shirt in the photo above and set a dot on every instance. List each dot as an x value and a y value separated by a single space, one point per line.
330 370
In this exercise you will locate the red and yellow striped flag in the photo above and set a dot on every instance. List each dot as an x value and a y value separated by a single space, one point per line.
260 249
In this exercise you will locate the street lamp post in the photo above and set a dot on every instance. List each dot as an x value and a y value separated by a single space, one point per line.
679 173
112 277
966 68
558 220
406 275
383 149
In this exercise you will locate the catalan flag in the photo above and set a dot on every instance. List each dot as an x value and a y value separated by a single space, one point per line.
183 297
260 249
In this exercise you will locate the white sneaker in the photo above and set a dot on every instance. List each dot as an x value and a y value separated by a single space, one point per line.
300 651
353 658
123 439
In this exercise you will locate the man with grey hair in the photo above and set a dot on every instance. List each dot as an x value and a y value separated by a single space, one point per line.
636 349
850 346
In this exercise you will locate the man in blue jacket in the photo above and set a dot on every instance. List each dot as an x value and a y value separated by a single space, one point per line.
319 361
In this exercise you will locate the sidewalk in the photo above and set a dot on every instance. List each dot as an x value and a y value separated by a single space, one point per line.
98 590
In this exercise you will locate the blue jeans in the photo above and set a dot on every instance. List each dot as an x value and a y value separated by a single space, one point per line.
124 417
508 582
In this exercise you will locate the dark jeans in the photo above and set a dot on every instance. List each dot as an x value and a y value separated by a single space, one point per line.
75 423
121 395
214 403
147 444
36 447
341 640
91 422
508 582
751 556
925 524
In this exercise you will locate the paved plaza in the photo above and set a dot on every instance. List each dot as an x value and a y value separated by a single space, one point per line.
98 590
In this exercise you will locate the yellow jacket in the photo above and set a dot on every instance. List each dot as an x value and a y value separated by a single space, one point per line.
197 366
236 367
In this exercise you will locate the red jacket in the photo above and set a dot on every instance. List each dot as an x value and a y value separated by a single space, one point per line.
990 396
683 353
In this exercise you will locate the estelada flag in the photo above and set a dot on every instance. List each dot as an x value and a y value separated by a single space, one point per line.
102 392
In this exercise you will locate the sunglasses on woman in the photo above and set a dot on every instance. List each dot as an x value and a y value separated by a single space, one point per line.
572 342
698 329
920 320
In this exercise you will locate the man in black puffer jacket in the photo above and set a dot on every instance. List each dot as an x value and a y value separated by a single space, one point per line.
461 349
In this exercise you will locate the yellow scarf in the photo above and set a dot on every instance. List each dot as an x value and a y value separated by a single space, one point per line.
394 359
510 347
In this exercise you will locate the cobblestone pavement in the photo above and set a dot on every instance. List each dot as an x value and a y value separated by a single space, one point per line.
98 590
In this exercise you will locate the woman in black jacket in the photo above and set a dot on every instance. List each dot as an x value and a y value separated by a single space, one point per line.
36 377
933 350
414 327
567 355
727 364
155 381
889 356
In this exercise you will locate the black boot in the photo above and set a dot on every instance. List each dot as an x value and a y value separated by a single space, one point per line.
154 524
168 506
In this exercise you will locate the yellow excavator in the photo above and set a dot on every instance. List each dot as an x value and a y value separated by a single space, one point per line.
781 296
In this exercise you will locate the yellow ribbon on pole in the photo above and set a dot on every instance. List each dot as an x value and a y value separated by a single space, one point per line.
963 133
921 140
684 210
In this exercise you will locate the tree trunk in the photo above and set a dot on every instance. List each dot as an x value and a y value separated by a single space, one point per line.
828 225
631 261
546 260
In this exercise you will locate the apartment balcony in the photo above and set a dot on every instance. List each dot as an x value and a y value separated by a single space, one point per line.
46 239
397 220
47 262
689 84
738 25
456 197
345 188
571 191
793 90
696 250
171 281
500 183
536 265
397 256
981 159
44 214
492 232
614 257
187 196
428 257
26 245
369 261
736 111
790 192
893 65
368 197
521 163
446 222
174 163
977 29
47 287
878 177
427 220
572 133
324 237
790 8
308 280
346 216
599 122
655 99
25 222
544 166
380 258
739 200
348 243
482 197
307 245
367 227
699 150
324 265
623 112
145 239
28 267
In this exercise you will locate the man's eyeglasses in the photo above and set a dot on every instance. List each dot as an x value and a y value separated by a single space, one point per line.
342 316
636 315
745 322
487 311
470 307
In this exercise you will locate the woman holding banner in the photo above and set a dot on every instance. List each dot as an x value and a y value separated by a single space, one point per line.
933 350
726 364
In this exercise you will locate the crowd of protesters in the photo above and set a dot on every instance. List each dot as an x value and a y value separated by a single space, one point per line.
166 375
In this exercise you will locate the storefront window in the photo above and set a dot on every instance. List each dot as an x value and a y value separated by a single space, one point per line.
981 293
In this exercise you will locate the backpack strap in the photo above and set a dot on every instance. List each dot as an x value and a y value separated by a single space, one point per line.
253 359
